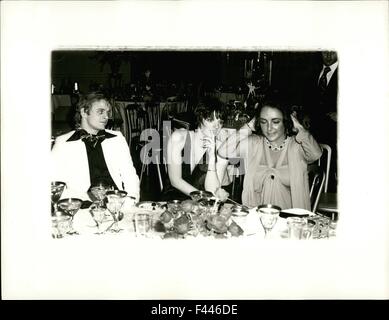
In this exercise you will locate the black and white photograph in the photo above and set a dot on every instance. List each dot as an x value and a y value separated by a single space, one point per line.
194 150
183 162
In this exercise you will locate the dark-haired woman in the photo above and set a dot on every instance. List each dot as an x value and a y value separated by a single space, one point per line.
276 159
192 161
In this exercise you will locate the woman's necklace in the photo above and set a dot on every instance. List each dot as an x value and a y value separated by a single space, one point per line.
276 148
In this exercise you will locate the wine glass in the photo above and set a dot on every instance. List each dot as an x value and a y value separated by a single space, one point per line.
57 187
115 200
70 206
98 193
268 215
98 214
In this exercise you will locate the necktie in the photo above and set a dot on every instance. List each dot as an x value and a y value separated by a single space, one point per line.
323 79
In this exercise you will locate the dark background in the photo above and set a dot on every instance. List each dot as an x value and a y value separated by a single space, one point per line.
202 70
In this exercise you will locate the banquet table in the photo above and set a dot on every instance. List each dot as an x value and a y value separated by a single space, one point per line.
85 226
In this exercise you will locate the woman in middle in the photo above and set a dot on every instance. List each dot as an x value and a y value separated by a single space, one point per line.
192 161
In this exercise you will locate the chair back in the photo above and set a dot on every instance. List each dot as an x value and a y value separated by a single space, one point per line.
317 178
325 163
182 106
120 108
169 110
154 114
137 120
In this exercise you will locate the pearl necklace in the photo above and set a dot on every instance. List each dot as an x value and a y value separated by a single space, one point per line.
275 148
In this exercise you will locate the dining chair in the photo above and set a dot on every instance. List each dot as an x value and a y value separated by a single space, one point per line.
327 163
137 120
121 110
328 205
317 178
154 114
169 110
181 106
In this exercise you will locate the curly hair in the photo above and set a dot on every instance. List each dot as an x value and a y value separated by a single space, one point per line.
209 108
279 104
86 103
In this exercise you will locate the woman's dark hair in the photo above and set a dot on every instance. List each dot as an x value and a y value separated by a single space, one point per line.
276 103
209 108
85 103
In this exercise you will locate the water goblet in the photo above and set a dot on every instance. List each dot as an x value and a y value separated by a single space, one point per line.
268 215
98 193
57 188
70 206
115 200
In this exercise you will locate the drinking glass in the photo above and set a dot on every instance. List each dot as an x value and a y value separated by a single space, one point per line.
57 188
115 202
98 214
142 224
268 215
98 193
296 227
70 206
61 225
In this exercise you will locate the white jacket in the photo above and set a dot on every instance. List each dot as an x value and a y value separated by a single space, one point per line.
70 165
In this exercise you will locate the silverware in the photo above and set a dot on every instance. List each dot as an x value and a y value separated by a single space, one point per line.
115 220
229 199
110 226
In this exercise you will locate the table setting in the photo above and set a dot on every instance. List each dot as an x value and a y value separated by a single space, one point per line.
112 213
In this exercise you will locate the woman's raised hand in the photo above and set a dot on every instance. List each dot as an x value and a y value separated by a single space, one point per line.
297 126
248 127
209 142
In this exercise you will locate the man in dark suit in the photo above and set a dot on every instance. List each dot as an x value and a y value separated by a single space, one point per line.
324 95
323 107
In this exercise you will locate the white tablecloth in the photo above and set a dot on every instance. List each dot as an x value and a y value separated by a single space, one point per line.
86 226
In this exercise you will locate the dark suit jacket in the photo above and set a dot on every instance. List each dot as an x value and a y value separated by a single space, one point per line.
328 101
320 104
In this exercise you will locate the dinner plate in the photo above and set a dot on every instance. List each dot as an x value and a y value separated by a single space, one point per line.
295 212
152 206
250 223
